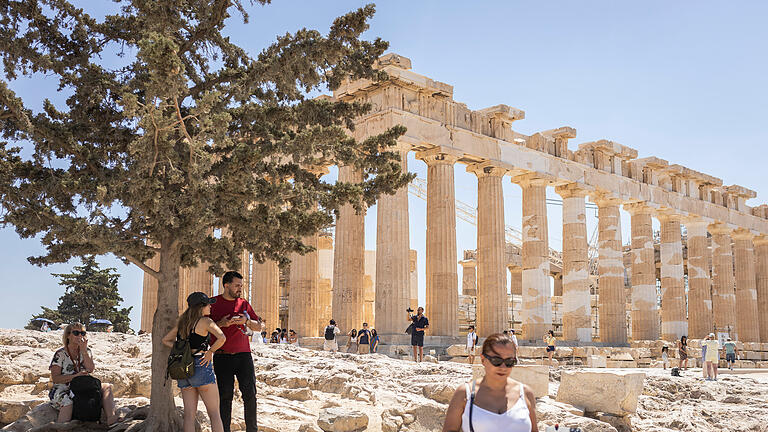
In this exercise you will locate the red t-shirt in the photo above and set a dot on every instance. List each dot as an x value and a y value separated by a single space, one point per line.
237 341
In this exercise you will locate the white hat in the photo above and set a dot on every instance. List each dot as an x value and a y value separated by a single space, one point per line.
711 335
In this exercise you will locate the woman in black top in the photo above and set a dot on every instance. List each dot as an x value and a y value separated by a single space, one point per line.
195 324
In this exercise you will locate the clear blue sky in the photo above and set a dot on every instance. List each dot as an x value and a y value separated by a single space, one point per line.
685 81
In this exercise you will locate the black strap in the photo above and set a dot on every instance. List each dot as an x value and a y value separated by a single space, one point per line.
471 405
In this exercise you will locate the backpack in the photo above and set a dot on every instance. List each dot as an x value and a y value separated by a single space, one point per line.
181 364
86 404
330 334
675 372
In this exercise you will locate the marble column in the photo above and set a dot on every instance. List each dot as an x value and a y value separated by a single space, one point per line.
536 313
575 283
303 293
201 279
747 321
699 282
468 277
349 261
673 316
392 257
442 276
492 314
761 251
610 269
149 295
723 284
325 280
265 292
515 280
645 314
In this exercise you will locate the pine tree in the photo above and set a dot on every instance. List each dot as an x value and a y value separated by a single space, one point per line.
188 134
89 292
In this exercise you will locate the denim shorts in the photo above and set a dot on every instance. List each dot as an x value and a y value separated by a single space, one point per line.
731 357
203 375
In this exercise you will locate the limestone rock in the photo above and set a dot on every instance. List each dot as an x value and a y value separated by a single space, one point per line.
342 420
594 361
609 392
430 359
439 392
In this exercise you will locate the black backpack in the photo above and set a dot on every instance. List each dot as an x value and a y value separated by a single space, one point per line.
675 372
330 334
86 404
181 364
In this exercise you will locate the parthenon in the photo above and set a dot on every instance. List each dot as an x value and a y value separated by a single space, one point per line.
726 269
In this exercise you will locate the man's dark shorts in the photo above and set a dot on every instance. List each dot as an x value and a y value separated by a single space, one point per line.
730 357
550 348
417 338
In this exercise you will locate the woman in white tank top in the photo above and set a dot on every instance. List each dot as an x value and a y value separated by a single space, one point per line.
500 403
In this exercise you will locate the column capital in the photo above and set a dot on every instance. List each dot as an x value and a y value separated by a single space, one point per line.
401 146
468 263
638 208
742 234
571 190
719 228
486 169
531 179
439 156
668 215
760 240
605 200
318 170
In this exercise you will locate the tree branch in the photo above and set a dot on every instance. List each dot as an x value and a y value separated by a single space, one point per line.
147 269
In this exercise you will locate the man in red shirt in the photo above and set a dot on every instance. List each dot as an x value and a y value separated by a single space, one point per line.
233 314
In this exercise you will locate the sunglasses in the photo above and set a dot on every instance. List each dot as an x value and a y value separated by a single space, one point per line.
498 361
78 332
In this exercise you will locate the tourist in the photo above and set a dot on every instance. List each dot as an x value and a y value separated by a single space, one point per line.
264 338
293 338
704 370
550 340
730 352
74 359
284 336
234 359
197 326
713 357
374 341
352 342
275 338
420 324
364 340
513 336
330 343
665 356
45 328
472 343
495 402
682 352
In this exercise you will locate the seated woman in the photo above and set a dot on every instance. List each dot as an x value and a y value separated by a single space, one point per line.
495 402
74 360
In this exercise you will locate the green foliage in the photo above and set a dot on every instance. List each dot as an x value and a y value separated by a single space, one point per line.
89 292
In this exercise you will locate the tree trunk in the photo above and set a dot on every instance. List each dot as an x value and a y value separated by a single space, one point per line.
162 414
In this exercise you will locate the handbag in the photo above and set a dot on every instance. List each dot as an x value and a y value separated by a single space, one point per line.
410 329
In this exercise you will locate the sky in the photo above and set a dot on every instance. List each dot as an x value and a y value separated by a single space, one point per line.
685 81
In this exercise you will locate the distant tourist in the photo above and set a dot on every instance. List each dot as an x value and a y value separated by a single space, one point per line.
496 402
352 342
682 352
704 370
713 357
513 336
74 360
284 336
665 356
264 338
730 352
330 333
275 338
196 326
550 340
293 338
364 340
374 341
472 343
419 323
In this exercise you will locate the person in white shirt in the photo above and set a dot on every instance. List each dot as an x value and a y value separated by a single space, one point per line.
514 340
471 344
713 357
330 333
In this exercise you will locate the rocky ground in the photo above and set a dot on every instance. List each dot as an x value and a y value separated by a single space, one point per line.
306 390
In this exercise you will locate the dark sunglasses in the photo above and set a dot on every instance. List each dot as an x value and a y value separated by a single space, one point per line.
498 361
78 332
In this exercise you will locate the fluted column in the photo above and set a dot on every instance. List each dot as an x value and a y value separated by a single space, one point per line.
723 284
303 294
469 277
325 280
392 257
265 292
442 277
492 316
673 316
699 282
349 261
576 298
645 315
536 310
201 279
610 269
149 295
515 280
761 250
747 321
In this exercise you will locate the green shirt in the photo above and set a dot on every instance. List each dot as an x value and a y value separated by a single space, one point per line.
730 347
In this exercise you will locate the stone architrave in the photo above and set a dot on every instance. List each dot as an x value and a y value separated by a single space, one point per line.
349 261
392 257
575 284
699 281
536 310
492 314
610 269
723 283
761 251
673 316
303 294
747 321
442 276
645 315
265 292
